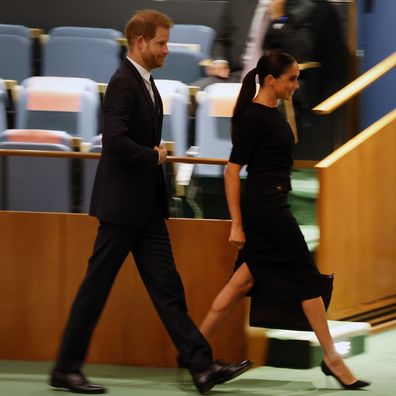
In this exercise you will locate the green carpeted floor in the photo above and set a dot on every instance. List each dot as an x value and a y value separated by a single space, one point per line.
378 365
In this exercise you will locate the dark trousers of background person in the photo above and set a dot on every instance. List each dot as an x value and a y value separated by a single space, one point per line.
152 252
318 135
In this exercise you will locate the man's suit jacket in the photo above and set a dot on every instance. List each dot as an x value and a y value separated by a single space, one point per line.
296 37
233 32
313 32
129 184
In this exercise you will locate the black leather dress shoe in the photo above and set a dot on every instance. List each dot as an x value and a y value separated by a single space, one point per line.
218 373
74 382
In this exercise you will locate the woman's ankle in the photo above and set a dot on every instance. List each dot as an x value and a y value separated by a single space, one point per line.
332 357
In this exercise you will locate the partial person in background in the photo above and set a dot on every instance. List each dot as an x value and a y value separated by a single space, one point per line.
273 255
242 22
291 30
310 31
129 199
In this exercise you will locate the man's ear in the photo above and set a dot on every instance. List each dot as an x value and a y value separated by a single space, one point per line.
140 40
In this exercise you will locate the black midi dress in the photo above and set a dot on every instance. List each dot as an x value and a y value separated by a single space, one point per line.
275 250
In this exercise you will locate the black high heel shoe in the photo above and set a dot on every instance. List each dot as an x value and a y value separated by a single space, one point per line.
358 384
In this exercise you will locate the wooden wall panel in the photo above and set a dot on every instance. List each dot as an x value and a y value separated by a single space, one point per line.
205 260
44 258
31 260
357 218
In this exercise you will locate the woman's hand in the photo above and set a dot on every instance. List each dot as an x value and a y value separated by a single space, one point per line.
237 236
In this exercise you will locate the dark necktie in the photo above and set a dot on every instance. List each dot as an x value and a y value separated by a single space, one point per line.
155 93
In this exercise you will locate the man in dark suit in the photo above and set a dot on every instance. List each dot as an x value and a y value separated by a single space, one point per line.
129 199
230 42
311 31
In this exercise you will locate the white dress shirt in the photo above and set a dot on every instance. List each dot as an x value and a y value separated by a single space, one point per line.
146 78
145 75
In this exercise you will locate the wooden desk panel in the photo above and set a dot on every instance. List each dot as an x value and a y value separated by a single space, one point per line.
357 219
44 258
30 285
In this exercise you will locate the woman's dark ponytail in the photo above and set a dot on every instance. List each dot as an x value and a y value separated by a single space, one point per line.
246 95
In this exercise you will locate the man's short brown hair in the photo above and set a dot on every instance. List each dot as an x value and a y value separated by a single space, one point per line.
144 23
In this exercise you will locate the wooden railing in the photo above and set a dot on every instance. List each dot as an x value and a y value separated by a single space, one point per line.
301 164
356 86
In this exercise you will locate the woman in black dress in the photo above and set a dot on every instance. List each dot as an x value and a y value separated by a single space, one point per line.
272 249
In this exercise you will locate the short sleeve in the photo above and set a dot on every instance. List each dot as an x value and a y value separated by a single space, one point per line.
248 133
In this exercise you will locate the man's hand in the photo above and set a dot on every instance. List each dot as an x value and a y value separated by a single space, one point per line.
218 69
162 153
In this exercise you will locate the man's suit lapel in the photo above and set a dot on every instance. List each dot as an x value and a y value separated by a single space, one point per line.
155 114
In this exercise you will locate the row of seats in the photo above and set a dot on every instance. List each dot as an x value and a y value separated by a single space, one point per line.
60 103
41 184
95 53
73 106
25 181
49 119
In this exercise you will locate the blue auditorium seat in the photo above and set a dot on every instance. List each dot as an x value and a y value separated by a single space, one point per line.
59 103
182 65
15 52
3 106
92 53
77 31
213 125
175 98
16 30
199 35
188 45
40 184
